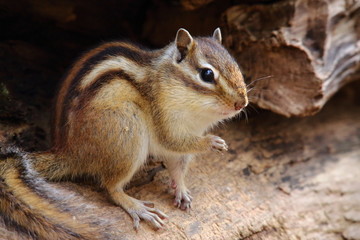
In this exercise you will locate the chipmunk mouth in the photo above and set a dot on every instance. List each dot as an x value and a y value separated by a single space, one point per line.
228 111
230 108
225 105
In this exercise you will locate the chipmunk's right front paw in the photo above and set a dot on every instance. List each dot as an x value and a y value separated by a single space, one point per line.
218 144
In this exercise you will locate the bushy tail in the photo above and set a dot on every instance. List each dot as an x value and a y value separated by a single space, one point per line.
24 205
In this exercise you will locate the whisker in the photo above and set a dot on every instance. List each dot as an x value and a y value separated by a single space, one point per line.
262 90
258 91
258 79
253 100
249 90
246 116
253 108
239 115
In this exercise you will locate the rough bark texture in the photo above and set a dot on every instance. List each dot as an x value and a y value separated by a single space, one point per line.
309 48
281 179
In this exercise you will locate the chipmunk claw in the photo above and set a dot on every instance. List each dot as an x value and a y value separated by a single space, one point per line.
218 144
136 220
183 199
147 212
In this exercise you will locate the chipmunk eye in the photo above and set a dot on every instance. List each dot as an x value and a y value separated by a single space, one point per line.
207 75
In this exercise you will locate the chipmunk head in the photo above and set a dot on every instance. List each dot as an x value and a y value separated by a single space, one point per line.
205 67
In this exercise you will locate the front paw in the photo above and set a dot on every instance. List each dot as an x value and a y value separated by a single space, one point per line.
183 199
217 143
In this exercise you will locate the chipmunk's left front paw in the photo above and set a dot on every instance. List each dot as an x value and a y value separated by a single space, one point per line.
217 144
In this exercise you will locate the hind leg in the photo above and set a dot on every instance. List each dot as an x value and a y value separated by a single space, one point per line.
137 209
130 147
115 145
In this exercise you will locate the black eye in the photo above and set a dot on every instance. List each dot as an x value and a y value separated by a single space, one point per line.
207 75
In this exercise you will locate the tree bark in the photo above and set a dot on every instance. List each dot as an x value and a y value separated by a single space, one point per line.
308 49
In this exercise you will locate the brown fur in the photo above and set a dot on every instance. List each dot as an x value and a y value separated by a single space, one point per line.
26 209
119 103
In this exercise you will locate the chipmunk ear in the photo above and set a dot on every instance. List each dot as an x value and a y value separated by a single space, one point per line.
217 35
184 42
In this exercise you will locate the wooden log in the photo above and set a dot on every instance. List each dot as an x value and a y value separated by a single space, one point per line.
309 48
193 4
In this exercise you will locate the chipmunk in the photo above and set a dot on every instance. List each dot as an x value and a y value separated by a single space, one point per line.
120 104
